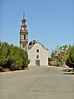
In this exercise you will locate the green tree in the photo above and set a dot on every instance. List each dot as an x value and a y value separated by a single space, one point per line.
24 57
60 54
12 57
3 54
53 55
70 59
15 61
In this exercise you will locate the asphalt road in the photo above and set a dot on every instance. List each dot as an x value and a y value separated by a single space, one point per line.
37 83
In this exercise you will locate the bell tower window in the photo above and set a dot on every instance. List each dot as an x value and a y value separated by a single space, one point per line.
24 37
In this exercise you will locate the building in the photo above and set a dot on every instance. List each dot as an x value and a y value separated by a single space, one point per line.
37 53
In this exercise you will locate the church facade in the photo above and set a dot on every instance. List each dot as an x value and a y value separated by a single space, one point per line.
37 53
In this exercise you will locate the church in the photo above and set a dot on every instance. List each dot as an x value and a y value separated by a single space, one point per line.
37 53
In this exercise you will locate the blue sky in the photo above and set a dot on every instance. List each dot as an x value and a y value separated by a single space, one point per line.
51 22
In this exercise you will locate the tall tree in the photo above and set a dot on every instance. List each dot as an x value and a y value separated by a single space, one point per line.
70 59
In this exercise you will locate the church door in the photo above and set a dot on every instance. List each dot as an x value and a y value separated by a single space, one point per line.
37 62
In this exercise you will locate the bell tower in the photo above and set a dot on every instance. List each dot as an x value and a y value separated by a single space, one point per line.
24 35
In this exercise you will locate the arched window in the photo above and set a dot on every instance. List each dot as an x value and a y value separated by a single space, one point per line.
37 50
24 37
37 56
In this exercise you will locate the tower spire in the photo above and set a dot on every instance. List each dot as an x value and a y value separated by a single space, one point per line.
23 15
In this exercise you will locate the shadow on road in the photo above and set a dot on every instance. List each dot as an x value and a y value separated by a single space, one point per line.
68 73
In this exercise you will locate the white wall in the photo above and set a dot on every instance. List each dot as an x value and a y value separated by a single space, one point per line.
43 55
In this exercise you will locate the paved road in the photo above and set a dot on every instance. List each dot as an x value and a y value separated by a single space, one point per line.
37 83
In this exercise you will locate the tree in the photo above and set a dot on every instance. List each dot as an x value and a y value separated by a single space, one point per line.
3 54
70 59
15 61
49 60
25 61
60 54
53 55
12 57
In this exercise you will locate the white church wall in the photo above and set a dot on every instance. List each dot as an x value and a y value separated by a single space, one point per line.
43 55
